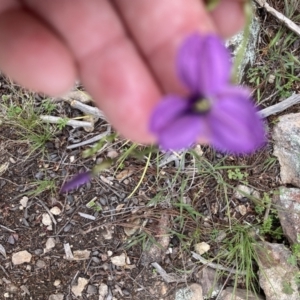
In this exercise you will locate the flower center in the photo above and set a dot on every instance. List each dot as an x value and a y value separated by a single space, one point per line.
202 105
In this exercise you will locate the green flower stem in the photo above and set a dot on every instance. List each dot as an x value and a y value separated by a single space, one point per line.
242 50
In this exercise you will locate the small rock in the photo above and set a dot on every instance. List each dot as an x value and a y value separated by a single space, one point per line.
242 209
104 256
67 227
288 207
38 251
91 289
109 253
78 289
120 207
198 150
287 148
103 291
56 282
96 260
108 233
243 191
21 257
105 180
103 201
112 154
12 289
124 174
70 199
125 292
81 254
201 248
40 264
39 175
11 240
192 292
56 297
50 243
55 210
238 294
271 78
134 226
120 260
163 289
24 201
277 277
46 220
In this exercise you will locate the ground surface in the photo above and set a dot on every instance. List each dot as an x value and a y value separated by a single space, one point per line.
190 204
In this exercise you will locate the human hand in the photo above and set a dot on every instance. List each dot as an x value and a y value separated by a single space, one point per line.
122 51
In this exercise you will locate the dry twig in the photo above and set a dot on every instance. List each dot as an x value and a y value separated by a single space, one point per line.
168 278
87 109
216 266
92 140
57 120
6 228
279 107
282 18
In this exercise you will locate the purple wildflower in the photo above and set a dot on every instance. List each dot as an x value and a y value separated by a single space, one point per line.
215 110
76 181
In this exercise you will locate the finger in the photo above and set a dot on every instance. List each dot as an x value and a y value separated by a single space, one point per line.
32 55
110 66
229 17
5 5
159 27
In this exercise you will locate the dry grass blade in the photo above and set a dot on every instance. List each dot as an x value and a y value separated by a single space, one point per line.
282 18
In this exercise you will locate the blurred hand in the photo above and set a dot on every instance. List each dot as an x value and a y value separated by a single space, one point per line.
123 51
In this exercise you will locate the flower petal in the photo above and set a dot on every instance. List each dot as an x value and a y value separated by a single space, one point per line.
76 181
203 64
180 134
166 111
235 124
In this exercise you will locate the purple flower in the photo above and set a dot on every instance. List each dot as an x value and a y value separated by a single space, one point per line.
76 181
215 110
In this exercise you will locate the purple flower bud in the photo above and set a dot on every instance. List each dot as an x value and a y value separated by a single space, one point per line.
76 181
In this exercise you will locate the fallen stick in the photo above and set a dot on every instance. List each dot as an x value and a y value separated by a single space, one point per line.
87 109
92 140
168 278
279 107
73 123
282 18
75 95
6 228
216 266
